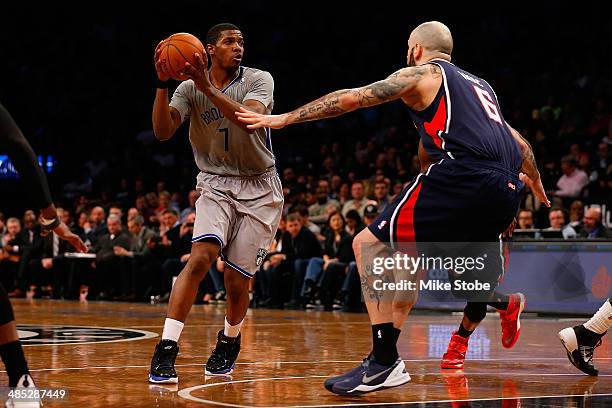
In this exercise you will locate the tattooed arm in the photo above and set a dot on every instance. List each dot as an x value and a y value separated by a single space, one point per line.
529 169
397 85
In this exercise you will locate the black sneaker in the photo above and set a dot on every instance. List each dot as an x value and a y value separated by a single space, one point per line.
162 364
580 355
223 358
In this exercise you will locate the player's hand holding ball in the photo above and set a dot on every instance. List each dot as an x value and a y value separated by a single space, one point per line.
160 63
174 52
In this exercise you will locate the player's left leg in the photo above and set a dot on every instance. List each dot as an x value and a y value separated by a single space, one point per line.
251 234
12 353
223 357
580 341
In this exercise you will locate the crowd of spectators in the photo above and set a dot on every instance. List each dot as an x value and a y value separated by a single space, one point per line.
129 196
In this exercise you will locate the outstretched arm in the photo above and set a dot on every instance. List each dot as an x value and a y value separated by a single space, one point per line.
529 170
24 160
397 85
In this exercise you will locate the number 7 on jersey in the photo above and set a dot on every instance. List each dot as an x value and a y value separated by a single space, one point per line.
226 133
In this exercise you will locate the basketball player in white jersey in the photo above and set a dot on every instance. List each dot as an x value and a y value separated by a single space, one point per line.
241 198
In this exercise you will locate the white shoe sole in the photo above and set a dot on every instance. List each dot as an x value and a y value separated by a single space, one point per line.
569 341
396 378
167 381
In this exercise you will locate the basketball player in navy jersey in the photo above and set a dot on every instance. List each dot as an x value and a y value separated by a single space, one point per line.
479 166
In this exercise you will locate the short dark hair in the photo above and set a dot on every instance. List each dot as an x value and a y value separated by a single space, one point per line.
171 211
213 35
569 159
302 210
293 217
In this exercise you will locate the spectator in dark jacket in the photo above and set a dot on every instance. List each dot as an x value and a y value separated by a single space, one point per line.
593 227
137 255
110 268
299 244
337 254
10 255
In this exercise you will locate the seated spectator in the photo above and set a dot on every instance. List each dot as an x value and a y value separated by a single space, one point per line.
324 273
317 211
164 246
593 227
370 213
137 253
193 197
354 223
116 210
133 213
48 272
344 194
381 195
178 252
13 244
556 217
110 270
336 183
298 246
66 217
3 230
302 211
525 219
31 254
573 179
97 225
576 215
264 278
359 200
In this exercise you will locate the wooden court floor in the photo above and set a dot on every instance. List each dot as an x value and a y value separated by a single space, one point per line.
100 352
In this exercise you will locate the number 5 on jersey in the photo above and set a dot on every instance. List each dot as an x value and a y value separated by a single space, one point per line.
226 133
488 104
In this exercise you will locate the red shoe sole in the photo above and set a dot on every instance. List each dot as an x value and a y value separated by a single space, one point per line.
455 366
518 323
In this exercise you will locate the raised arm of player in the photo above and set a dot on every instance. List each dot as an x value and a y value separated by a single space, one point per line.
529 170
19 150
166 119
200 76
399 84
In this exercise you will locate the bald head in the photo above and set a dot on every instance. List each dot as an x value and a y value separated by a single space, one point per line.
592 218
434 37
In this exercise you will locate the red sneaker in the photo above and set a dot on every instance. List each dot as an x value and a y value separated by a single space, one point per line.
455 355
511 319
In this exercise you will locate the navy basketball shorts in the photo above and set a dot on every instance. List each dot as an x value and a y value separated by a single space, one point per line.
455 208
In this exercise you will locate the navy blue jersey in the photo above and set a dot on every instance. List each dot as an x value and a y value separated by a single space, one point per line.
465 121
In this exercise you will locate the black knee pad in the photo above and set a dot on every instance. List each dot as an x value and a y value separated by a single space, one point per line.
6 310
475 311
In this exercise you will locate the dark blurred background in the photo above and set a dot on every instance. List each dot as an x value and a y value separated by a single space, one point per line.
80 83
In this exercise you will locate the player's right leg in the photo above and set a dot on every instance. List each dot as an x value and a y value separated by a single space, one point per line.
580 341
383 367
182 298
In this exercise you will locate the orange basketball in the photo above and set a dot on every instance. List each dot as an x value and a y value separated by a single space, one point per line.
178 49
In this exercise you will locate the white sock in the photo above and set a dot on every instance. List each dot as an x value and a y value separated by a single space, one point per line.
232 331
172 329
602 320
